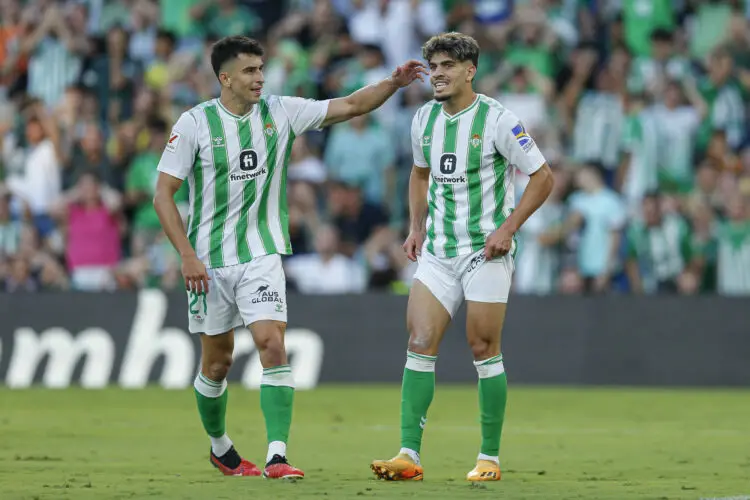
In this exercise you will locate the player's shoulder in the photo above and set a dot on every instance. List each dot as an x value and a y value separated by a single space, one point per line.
497 112
192 116
423 112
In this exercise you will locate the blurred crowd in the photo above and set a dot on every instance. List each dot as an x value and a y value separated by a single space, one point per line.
640 106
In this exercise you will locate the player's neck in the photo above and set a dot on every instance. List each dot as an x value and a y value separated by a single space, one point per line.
235 105
460 102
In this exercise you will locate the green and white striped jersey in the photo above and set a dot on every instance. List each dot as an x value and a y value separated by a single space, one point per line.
472 156
236 167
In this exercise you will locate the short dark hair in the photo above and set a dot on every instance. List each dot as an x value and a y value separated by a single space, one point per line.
230 47
457 45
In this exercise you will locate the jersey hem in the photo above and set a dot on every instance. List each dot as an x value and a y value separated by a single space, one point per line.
245 261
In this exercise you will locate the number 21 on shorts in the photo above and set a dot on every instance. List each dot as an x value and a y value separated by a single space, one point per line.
198 305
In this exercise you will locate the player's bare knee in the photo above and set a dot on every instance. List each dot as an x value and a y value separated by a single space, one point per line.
218 367
482 348
422 341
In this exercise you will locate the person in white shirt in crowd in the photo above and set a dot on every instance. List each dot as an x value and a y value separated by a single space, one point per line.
326 271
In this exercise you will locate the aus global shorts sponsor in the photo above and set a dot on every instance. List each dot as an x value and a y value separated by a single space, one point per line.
248 176
450 180
265 293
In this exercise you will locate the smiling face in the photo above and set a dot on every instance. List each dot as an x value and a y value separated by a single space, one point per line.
237 62
450 77
243 75
453 59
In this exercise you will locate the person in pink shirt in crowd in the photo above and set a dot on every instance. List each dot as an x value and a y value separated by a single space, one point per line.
93 225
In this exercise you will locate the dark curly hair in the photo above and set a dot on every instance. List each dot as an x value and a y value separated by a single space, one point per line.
459 46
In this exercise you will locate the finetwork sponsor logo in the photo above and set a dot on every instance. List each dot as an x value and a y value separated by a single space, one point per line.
247 177
450 180
94 353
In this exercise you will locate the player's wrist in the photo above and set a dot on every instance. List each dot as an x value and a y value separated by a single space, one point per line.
187 253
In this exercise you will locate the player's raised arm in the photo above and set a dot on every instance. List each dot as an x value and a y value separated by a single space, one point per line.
519 148
174 166
373 96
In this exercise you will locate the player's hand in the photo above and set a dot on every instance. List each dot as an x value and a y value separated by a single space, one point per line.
498 243
195 274
408 72
413 245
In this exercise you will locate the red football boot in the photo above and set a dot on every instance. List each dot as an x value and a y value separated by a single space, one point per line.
244 467
279 468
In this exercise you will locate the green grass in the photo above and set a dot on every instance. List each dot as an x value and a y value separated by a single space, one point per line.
558 443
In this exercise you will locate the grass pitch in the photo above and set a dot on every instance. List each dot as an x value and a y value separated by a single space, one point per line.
558 443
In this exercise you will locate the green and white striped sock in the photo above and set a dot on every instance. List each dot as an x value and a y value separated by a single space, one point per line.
417 391
212 397
493 394
276 401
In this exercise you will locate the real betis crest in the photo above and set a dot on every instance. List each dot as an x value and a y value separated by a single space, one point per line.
476 140
269 129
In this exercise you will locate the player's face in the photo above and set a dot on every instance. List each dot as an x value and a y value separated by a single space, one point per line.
450 77
244 76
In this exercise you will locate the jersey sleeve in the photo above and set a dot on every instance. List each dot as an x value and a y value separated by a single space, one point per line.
416 141
182 145
513 143
304 114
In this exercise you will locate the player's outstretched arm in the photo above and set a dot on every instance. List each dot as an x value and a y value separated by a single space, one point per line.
373 96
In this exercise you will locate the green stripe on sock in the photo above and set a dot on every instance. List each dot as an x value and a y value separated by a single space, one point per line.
275 369
491 361
208 381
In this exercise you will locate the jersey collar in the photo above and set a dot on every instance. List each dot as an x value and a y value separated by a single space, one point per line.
462 112
238 117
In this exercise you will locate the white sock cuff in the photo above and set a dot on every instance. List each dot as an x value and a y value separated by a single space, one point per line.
492 367
278 376
209 388
420 362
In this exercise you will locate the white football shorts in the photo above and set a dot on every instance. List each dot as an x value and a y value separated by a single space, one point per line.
239 296
466 277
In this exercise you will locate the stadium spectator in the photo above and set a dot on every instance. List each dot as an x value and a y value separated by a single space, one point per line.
90 215
326 271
